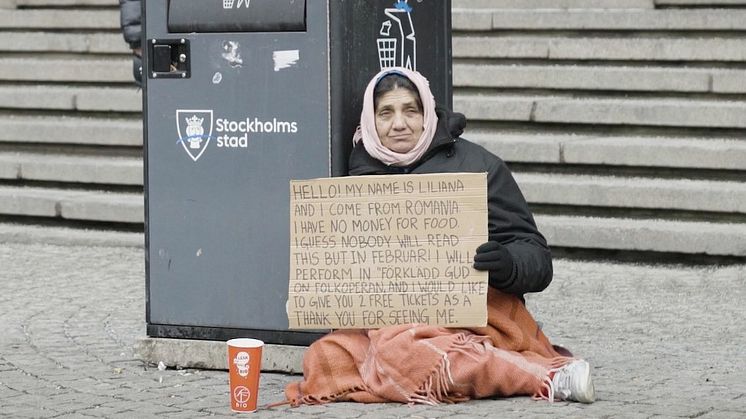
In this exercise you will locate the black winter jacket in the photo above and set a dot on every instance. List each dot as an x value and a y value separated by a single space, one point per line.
129 19
510 221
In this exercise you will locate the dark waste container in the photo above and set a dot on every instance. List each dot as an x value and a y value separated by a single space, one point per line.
241 96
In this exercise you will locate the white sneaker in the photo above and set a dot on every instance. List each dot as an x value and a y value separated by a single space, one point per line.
573 382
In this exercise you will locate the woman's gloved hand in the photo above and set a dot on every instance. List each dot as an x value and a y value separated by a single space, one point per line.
495 258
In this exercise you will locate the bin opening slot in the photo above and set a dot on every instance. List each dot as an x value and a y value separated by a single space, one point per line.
236 16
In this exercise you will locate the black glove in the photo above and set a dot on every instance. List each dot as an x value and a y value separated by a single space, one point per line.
495 258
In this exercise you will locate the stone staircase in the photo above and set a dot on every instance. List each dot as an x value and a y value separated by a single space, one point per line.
623 120
70 126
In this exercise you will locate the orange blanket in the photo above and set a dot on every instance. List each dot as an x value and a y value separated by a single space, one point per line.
430 364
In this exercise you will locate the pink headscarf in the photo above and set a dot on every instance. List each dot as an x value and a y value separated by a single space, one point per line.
367 129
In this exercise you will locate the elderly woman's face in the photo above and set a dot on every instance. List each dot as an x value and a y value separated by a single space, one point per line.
399 121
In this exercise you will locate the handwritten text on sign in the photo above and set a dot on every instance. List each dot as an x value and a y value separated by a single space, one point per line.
374 251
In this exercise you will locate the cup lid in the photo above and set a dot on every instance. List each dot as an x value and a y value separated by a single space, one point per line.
245 343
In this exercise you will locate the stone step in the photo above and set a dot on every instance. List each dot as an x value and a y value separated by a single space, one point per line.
606 48
59 19
612 78
641 151
553 4
612 111
64 3
600 20
710 3
71 130
644 235
39 96
95 43
102 170
561 231
578 4
65 236
633 192
72 204
78 69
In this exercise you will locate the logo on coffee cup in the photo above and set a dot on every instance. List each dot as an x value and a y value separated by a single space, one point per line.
241 361
241 394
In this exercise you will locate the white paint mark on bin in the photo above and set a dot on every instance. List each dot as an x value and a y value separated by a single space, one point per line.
232 53
285 59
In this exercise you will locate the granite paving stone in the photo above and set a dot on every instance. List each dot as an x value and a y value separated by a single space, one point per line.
663 340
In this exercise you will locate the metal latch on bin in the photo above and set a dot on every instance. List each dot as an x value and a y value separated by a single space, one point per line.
169 58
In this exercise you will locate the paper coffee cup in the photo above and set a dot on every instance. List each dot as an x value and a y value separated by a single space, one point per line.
244 363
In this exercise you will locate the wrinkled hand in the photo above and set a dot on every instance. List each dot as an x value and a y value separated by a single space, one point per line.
495 258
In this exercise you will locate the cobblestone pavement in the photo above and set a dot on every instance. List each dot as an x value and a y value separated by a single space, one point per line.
663 341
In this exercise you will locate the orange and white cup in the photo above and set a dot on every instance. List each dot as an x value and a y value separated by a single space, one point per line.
244 363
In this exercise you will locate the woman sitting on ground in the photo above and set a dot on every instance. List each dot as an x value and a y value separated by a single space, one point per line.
401 131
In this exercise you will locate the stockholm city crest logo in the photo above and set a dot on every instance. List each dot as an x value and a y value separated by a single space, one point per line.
195 130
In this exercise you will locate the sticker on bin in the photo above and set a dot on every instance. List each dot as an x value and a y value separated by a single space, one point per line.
285 59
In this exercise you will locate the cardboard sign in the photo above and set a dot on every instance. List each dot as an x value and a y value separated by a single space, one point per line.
374 251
